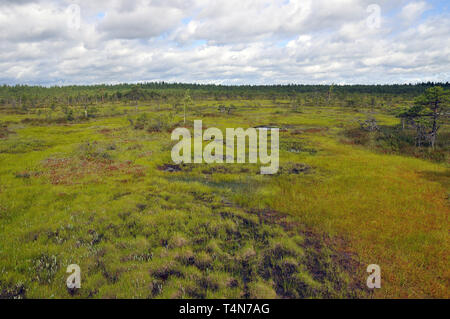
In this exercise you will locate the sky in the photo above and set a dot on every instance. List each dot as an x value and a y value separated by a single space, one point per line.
65 42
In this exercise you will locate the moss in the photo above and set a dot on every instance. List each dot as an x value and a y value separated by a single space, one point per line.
91 193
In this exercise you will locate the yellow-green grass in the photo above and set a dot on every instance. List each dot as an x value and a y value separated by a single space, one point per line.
111 214
392 210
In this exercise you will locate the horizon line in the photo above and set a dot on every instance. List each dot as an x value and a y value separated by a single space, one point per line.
226 85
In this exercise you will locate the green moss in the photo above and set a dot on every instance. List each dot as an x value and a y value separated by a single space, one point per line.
92 193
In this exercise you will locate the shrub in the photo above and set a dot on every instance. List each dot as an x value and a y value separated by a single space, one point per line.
160 123
93 150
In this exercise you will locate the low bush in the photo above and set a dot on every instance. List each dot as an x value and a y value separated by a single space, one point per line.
395 140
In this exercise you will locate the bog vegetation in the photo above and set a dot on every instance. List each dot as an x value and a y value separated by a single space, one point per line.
86 178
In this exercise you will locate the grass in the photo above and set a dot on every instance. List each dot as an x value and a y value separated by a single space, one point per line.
96 193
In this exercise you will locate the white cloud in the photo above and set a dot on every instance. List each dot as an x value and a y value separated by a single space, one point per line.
143 21
31 22
222 42
412 11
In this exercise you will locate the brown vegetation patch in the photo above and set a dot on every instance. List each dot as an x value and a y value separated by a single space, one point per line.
166 271
318 246
68 171
269 216
4 132
315 130
311 130
171 168
145 154
338 249
105 131
12 291
294 168
212 115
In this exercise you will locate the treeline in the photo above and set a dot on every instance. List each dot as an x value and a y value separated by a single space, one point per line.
162 92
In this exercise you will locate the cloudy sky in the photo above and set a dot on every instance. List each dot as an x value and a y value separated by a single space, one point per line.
59 42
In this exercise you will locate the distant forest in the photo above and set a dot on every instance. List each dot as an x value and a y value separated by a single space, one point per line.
24 96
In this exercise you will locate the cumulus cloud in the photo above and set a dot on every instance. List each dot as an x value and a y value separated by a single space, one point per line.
411 11
31 22
145 20
234 42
